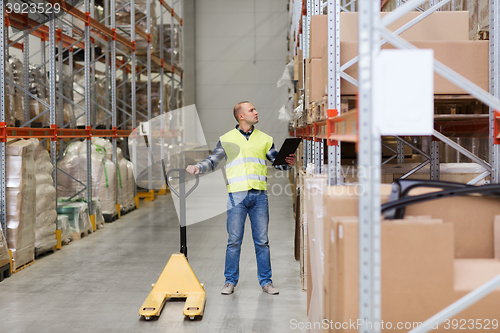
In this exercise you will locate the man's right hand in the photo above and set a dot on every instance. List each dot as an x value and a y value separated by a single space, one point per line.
193 169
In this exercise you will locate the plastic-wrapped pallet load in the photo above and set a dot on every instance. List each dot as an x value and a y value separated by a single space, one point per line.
63 225
10 91
106 144
16 66
78 217
122 180
131 185
20 186
95 209
46 214
74 163
123 21
4 257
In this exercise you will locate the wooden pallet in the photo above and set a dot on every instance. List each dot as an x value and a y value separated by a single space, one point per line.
44 253
4 272
66 242
99 225
108 218
82 234
23 266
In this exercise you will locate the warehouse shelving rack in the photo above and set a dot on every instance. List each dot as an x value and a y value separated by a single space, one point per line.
63 35
371 29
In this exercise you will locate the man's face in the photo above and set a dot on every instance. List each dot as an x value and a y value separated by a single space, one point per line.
249 114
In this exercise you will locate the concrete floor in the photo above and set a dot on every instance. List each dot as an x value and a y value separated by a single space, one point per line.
98 284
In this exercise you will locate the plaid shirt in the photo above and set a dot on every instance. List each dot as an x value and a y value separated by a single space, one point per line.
218 154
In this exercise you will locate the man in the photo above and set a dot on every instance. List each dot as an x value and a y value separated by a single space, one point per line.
246 150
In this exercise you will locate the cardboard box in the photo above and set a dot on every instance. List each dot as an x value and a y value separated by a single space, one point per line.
413 287
300 83
468 58
315 80
296 64
324 69
438 26
307 85
313 190
319 35
473 227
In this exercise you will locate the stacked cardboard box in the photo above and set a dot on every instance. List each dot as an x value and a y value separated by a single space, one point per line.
440 252
446 33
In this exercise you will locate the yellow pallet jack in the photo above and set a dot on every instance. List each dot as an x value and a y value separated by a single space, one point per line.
177 279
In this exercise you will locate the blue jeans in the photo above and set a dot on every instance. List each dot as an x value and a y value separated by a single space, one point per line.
255 204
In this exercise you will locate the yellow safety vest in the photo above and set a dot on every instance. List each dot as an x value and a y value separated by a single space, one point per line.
246 160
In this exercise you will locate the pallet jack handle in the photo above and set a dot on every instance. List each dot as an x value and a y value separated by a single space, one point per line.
182 194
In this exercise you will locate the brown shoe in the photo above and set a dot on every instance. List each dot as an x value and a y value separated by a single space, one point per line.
269 288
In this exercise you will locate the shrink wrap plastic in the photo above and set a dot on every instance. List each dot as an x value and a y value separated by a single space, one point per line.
131 184
46 214
95 210
78 218
167 44
74 163
314 189
63 225
4 252
10 91
20 195
79 99
123 182
16 67
122 18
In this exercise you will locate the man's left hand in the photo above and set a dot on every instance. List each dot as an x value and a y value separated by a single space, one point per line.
291 159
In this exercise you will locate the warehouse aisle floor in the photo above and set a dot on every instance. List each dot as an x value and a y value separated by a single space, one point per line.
97 284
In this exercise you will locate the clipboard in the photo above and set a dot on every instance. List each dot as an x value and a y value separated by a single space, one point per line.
289 147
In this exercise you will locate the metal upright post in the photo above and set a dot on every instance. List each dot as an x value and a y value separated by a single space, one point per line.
334 167
310 156
88 112
52 94
494 87
304 154
26 67
317 153
107 48
148 32
400 152
43 69
181 49
172 45
3 201
113 91
60 77
162 104
93 88
133 91
434 160
70 61
369 161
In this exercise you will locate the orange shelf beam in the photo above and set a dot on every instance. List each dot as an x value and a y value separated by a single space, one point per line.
54 133
73 11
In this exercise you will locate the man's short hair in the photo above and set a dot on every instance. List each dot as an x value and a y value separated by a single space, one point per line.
237 110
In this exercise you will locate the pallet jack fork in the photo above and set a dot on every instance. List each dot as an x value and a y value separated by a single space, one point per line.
177 279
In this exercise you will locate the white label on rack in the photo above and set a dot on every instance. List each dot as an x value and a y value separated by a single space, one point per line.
403 92
341 231
144 128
